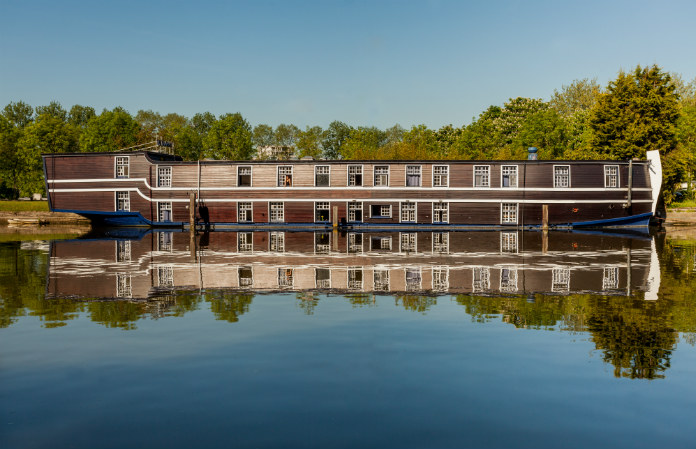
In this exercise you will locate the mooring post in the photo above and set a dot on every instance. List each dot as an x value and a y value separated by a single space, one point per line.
630 182
335 217
192 225
545 217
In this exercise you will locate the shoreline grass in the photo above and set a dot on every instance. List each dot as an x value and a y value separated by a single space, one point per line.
23 206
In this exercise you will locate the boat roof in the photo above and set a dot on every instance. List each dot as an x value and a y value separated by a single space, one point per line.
157 156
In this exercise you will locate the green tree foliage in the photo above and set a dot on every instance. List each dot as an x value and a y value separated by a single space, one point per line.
285 135
10 168
79 115
110 131
309 142
48 133
580 95
19 114
262 136
363 143
229 138
53 109
334 137
639 112
188 144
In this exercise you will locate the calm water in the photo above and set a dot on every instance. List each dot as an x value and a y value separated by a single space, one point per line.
478 339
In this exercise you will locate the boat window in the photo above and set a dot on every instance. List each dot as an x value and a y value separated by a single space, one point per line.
164 176
244 176
380 211
560 279
408 212
440 176
381 175
355 173
276 241
509 176
508 242
355 278
322 242
355 243
408 242
321 211
246 277
355 211
440 212
508 280
245 213
285 176
561 176
322 277
481 279
123 251
440 279
482 176
321 175
508 213
245 242
413 176
122 167
611 176
378 243
164 209
285 277
440 242
413 279
381 280
123 201
277 212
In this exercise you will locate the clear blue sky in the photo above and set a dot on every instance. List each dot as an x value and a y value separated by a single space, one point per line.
309 63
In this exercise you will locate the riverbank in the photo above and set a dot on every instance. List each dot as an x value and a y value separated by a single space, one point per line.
37 224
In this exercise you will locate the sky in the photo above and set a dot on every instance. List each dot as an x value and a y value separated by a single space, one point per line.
365 63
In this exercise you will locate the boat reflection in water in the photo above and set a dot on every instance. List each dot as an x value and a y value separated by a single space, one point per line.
425 263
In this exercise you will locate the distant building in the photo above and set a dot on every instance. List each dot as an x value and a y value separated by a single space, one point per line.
275 152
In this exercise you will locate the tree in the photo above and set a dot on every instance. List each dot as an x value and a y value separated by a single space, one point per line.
639 112
363 143
309 142
54 109
9 154
229 138
110 131
285 135
47 134
80 115
19 114
334 138
262 136
188 144
580 95
202 123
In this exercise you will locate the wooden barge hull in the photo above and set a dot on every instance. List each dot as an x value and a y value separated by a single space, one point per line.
158 190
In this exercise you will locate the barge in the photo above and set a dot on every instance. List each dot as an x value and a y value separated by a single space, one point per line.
155 189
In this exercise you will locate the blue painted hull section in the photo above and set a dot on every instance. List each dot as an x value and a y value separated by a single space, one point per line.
124 219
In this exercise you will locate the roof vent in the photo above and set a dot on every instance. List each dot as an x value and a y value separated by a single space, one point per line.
532 153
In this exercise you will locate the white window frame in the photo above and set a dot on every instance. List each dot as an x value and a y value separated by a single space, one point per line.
511 285
353 246
165 275
374 175
288 274
608 175
316 210
362 175
556 177
610 278
446 211
279 239
125 200
414 211
381 206
323 248
250 209
328 168
126 165
164 180
123 251
483 283
348 210
163 206
560 279
443 246
509 242
325 285
447 169
352 283
487 174
245 246
505 210
411 240
277 219
440 279
239 278
164 241
292 180
411 287
420 175
124 285
382 247
502 174
383 274
251 175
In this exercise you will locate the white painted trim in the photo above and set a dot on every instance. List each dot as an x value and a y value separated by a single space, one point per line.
473 178
432 217
406 176
116 167
315 174
362 174
655 174
251 177
415 218
362 211
252 211
372 201
618 176
517 213
292 176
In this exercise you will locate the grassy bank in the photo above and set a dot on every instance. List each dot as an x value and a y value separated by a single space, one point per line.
23 206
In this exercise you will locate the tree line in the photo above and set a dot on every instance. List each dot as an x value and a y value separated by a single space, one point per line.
643 109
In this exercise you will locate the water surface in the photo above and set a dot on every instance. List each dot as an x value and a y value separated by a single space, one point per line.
478 339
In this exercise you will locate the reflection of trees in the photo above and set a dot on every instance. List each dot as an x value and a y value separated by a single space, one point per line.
361 300
228 306
117 314
307 301
416 303
635 337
